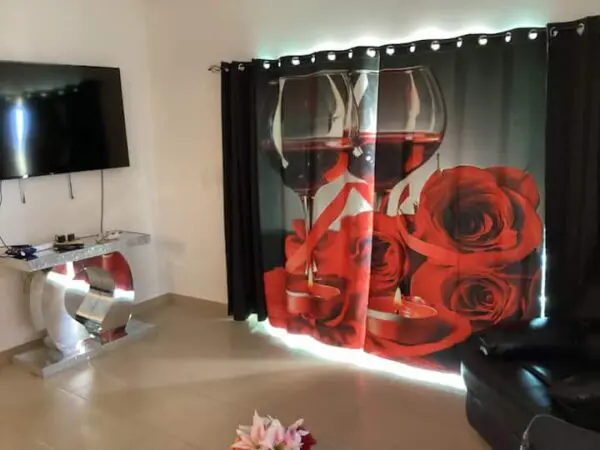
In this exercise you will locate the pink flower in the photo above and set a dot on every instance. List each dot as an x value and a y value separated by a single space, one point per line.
267 433
251 437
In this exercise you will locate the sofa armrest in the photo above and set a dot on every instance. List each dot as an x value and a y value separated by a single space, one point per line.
551 433
578 389
538 337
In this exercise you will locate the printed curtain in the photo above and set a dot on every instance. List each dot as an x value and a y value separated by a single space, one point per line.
400 191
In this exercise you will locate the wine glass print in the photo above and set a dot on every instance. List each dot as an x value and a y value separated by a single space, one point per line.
411 120
313 122
365 89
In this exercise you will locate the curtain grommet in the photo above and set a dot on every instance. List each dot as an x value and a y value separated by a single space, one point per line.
241 67
459 42
553 32
412 48
581 29
508 37
435 46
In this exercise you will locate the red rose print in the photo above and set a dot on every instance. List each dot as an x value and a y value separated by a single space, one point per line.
275 281
347 252
477 217
297 258
389 259
342 253
342 258
485 297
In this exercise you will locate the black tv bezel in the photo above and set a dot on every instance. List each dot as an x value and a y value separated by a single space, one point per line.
85 66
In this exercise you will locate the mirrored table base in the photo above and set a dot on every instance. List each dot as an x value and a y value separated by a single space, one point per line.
46 362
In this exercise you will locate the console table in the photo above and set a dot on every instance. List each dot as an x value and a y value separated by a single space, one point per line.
82 299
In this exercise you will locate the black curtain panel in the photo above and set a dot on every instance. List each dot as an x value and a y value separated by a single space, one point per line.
572 166
245 285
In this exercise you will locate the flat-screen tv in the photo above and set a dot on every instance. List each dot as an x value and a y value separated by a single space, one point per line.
60 119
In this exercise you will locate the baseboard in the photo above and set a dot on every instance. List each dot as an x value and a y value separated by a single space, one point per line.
138 309
7 355
152 304
199 303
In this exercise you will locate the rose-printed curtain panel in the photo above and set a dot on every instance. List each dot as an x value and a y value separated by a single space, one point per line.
400 192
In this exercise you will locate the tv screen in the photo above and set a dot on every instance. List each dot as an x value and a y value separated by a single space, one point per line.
60 119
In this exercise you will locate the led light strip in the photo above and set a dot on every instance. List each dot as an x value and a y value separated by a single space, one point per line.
356 357
420 34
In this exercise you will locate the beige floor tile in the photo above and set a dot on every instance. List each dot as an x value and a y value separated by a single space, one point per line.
15 438
189 386
163 442
60 420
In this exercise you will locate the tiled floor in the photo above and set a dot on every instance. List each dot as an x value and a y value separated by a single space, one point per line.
189 387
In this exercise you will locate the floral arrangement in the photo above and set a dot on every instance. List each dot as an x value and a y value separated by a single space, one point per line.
267 433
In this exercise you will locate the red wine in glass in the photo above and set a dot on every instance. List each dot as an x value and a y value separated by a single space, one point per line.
309 161
399 154
410 125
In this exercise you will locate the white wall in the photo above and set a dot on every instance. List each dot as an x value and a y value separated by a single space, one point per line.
107 32
186 36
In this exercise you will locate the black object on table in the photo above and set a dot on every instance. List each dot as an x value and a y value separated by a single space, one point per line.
25 252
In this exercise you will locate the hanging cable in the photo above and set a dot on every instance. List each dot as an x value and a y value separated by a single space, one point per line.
22 191
1 200
102 204
70 183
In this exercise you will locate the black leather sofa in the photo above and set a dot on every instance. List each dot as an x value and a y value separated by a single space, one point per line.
518 371
551 433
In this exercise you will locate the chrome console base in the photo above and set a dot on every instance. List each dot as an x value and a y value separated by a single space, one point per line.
46 362
82 300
